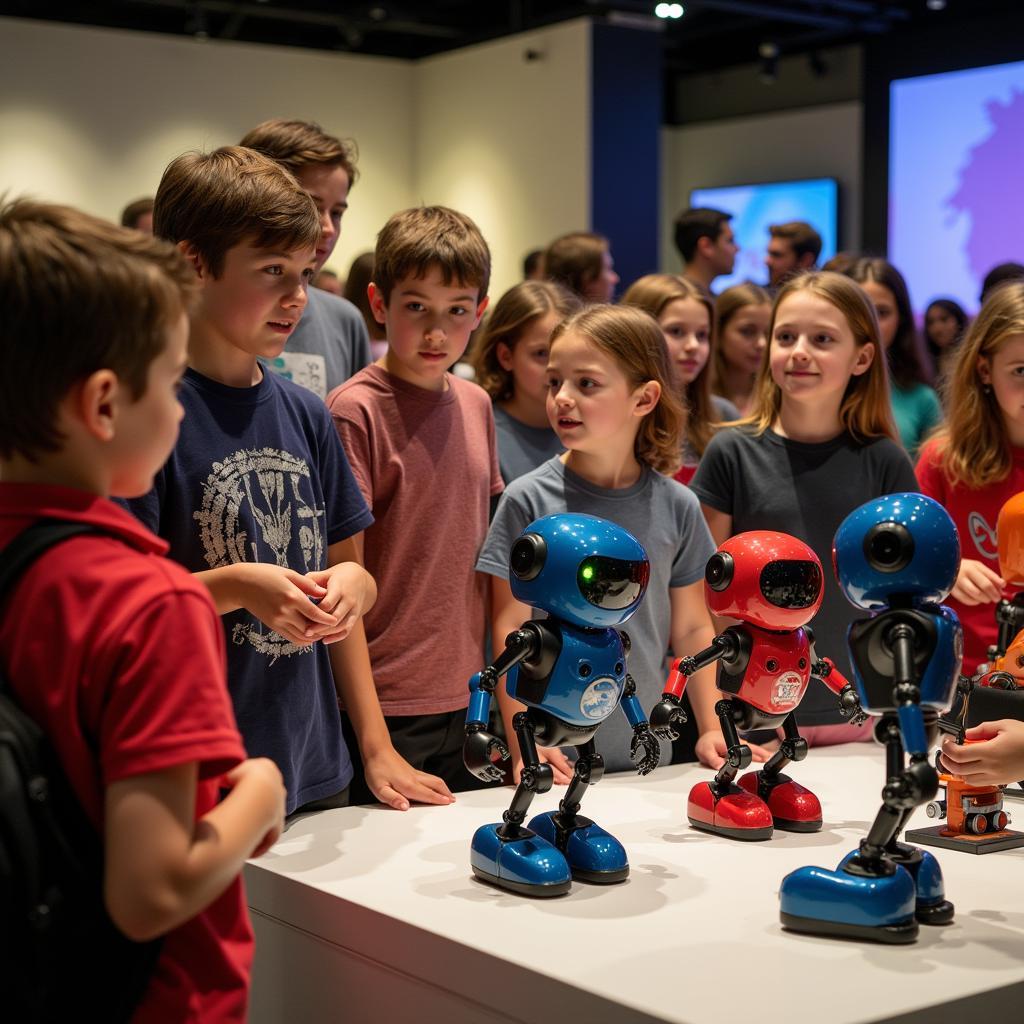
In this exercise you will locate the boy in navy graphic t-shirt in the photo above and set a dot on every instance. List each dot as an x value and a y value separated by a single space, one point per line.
257 497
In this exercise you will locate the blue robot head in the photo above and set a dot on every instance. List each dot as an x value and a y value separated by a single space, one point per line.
901 548
585 570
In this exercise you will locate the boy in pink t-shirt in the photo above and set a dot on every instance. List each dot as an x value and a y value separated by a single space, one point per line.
421 445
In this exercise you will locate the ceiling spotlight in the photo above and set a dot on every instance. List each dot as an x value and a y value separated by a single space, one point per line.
935 5
669 10
769 69
378 13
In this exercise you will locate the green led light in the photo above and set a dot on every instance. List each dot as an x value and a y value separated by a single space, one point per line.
587 572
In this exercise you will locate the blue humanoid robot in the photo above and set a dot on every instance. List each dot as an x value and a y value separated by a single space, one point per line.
569 670
898 557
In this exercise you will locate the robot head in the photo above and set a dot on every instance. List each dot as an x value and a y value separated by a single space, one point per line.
585 570
1010 534
900 548
769 579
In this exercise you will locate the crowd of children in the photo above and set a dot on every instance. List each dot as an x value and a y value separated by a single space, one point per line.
335 533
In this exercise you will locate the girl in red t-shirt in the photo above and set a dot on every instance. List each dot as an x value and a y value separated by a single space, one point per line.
976 462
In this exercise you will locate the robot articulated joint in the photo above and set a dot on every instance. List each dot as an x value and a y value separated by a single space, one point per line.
539 779
907 693
740 757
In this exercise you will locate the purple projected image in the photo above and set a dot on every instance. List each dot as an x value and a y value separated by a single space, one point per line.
956 146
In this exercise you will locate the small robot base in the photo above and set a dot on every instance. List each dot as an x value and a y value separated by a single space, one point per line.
729 811
752 810
844 905
542 860
991 842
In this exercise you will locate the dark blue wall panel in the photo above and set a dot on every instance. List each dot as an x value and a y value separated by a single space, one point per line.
626 108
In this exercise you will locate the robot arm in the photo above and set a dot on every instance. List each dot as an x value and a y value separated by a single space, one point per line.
479 744
849 704
667 713
643 738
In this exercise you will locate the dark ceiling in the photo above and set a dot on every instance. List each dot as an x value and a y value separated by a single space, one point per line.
711 34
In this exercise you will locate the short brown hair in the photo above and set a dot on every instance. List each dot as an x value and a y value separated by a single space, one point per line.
635 341
866 409
298 144
78 294
515 311
133 211
575 260
804 239
416 240
215 201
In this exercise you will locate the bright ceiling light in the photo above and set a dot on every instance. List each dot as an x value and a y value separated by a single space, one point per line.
669 10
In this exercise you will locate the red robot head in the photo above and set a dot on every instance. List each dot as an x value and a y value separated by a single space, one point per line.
765 578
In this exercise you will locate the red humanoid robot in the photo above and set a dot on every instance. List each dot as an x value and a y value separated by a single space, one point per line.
772 583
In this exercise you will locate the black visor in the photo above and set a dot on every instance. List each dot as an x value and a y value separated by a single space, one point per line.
790 583
611 583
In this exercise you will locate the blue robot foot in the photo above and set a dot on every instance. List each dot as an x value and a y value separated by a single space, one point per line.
849 905
521 862
932 906
593 854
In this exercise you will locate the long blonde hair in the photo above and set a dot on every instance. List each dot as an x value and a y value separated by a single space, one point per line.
652 294
973 446
634 340
866 409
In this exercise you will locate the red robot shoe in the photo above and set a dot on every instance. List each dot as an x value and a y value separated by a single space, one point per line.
794 808
736 813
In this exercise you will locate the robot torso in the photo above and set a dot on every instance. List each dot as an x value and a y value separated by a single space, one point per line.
578 676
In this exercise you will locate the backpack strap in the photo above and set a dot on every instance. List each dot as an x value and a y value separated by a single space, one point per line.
33 542
28 546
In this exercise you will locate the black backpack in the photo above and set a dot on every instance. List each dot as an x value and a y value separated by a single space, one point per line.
61 957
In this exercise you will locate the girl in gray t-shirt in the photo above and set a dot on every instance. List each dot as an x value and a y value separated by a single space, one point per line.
511 366
614 407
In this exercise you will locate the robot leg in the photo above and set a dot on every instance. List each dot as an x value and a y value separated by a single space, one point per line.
720 806
868 896
512 857
594 855
794 807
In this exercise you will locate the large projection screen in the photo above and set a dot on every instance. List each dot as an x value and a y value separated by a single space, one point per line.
956 160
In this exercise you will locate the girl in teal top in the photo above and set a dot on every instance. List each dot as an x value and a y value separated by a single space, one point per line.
915 405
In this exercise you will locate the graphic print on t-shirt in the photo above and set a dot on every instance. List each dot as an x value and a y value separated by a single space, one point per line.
983 535
258 506
305 368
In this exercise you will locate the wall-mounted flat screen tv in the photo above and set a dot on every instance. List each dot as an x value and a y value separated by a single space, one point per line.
755 207
956 150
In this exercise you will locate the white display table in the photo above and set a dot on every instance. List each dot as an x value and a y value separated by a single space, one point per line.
367 914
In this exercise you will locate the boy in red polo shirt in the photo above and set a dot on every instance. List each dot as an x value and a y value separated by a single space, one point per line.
115 651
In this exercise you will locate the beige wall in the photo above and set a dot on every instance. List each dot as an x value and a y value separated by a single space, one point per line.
91 116
818 142
507 140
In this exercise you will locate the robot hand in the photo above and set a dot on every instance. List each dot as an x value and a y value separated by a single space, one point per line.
849 706
643 737
476 754
666 715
